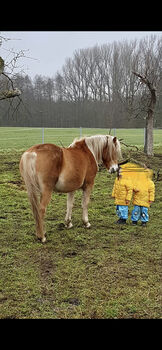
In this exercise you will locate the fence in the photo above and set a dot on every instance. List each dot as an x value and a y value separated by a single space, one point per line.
23 138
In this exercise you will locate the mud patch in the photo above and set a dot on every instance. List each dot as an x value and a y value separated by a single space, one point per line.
69 254
72 301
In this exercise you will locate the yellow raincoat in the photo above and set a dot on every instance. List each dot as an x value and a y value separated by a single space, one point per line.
122 190
143 186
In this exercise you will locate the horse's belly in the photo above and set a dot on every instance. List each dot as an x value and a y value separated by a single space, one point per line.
67 184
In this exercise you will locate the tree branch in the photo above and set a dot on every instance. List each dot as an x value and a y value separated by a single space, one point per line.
145 81
9 94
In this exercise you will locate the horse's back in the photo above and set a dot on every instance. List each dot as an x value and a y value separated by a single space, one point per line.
45 147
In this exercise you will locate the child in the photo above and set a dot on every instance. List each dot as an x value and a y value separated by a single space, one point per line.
143 196
122 192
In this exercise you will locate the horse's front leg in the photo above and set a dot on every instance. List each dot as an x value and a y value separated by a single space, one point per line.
70 202
85 201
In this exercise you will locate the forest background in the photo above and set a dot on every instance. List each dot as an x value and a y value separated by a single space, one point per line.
95 88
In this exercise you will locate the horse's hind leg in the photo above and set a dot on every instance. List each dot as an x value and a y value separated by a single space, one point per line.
70 202
44 201
85 201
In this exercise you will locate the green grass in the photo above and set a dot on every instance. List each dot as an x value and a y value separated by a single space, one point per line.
20 138
104 272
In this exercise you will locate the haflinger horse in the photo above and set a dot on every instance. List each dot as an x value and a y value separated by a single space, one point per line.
46 168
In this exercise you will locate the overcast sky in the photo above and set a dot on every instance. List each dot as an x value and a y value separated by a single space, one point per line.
46 51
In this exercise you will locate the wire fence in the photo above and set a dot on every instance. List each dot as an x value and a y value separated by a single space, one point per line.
23 138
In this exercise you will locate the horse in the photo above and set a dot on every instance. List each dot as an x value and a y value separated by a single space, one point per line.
46 168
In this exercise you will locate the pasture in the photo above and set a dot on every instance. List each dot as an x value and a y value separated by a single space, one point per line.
107 271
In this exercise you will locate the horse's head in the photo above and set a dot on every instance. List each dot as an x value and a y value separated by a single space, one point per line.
111 153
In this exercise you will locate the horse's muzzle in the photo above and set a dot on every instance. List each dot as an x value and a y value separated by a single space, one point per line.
113 168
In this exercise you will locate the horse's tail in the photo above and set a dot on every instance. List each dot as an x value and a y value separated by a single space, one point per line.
28 172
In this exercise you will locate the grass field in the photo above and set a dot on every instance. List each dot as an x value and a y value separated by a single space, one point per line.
104 272
20 138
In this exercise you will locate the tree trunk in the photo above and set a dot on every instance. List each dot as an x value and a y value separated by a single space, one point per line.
1 65
148 146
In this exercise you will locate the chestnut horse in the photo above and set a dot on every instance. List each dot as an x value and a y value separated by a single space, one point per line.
47 167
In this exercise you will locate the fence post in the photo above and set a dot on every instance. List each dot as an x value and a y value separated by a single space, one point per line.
42 135
80 131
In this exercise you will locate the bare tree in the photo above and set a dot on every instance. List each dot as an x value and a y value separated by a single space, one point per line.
149 72
7 93
148 147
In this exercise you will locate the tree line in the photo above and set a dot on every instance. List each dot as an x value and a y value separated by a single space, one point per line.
96 87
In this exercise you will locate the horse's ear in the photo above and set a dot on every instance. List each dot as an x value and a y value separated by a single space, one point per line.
114 140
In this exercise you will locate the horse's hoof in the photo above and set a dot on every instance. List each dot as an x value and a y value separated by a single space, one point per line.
87 225
69 225
43 239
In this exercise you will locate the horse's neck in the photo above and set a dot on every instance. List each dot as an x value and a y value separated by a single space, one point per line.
94 144
93 152
95 148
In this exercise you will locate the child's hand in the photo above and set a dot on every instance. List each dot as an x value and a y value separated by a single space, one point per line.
127 202
150 202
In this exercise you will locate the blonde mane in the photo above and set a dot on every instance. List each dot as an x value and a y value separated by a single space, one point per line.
97 143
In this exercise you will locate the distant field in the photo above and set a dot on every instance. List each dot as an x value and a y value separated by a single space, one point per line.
20 138
106 272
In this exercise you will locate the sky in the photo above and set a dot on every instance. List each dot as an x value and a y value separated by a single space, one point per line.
46 51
